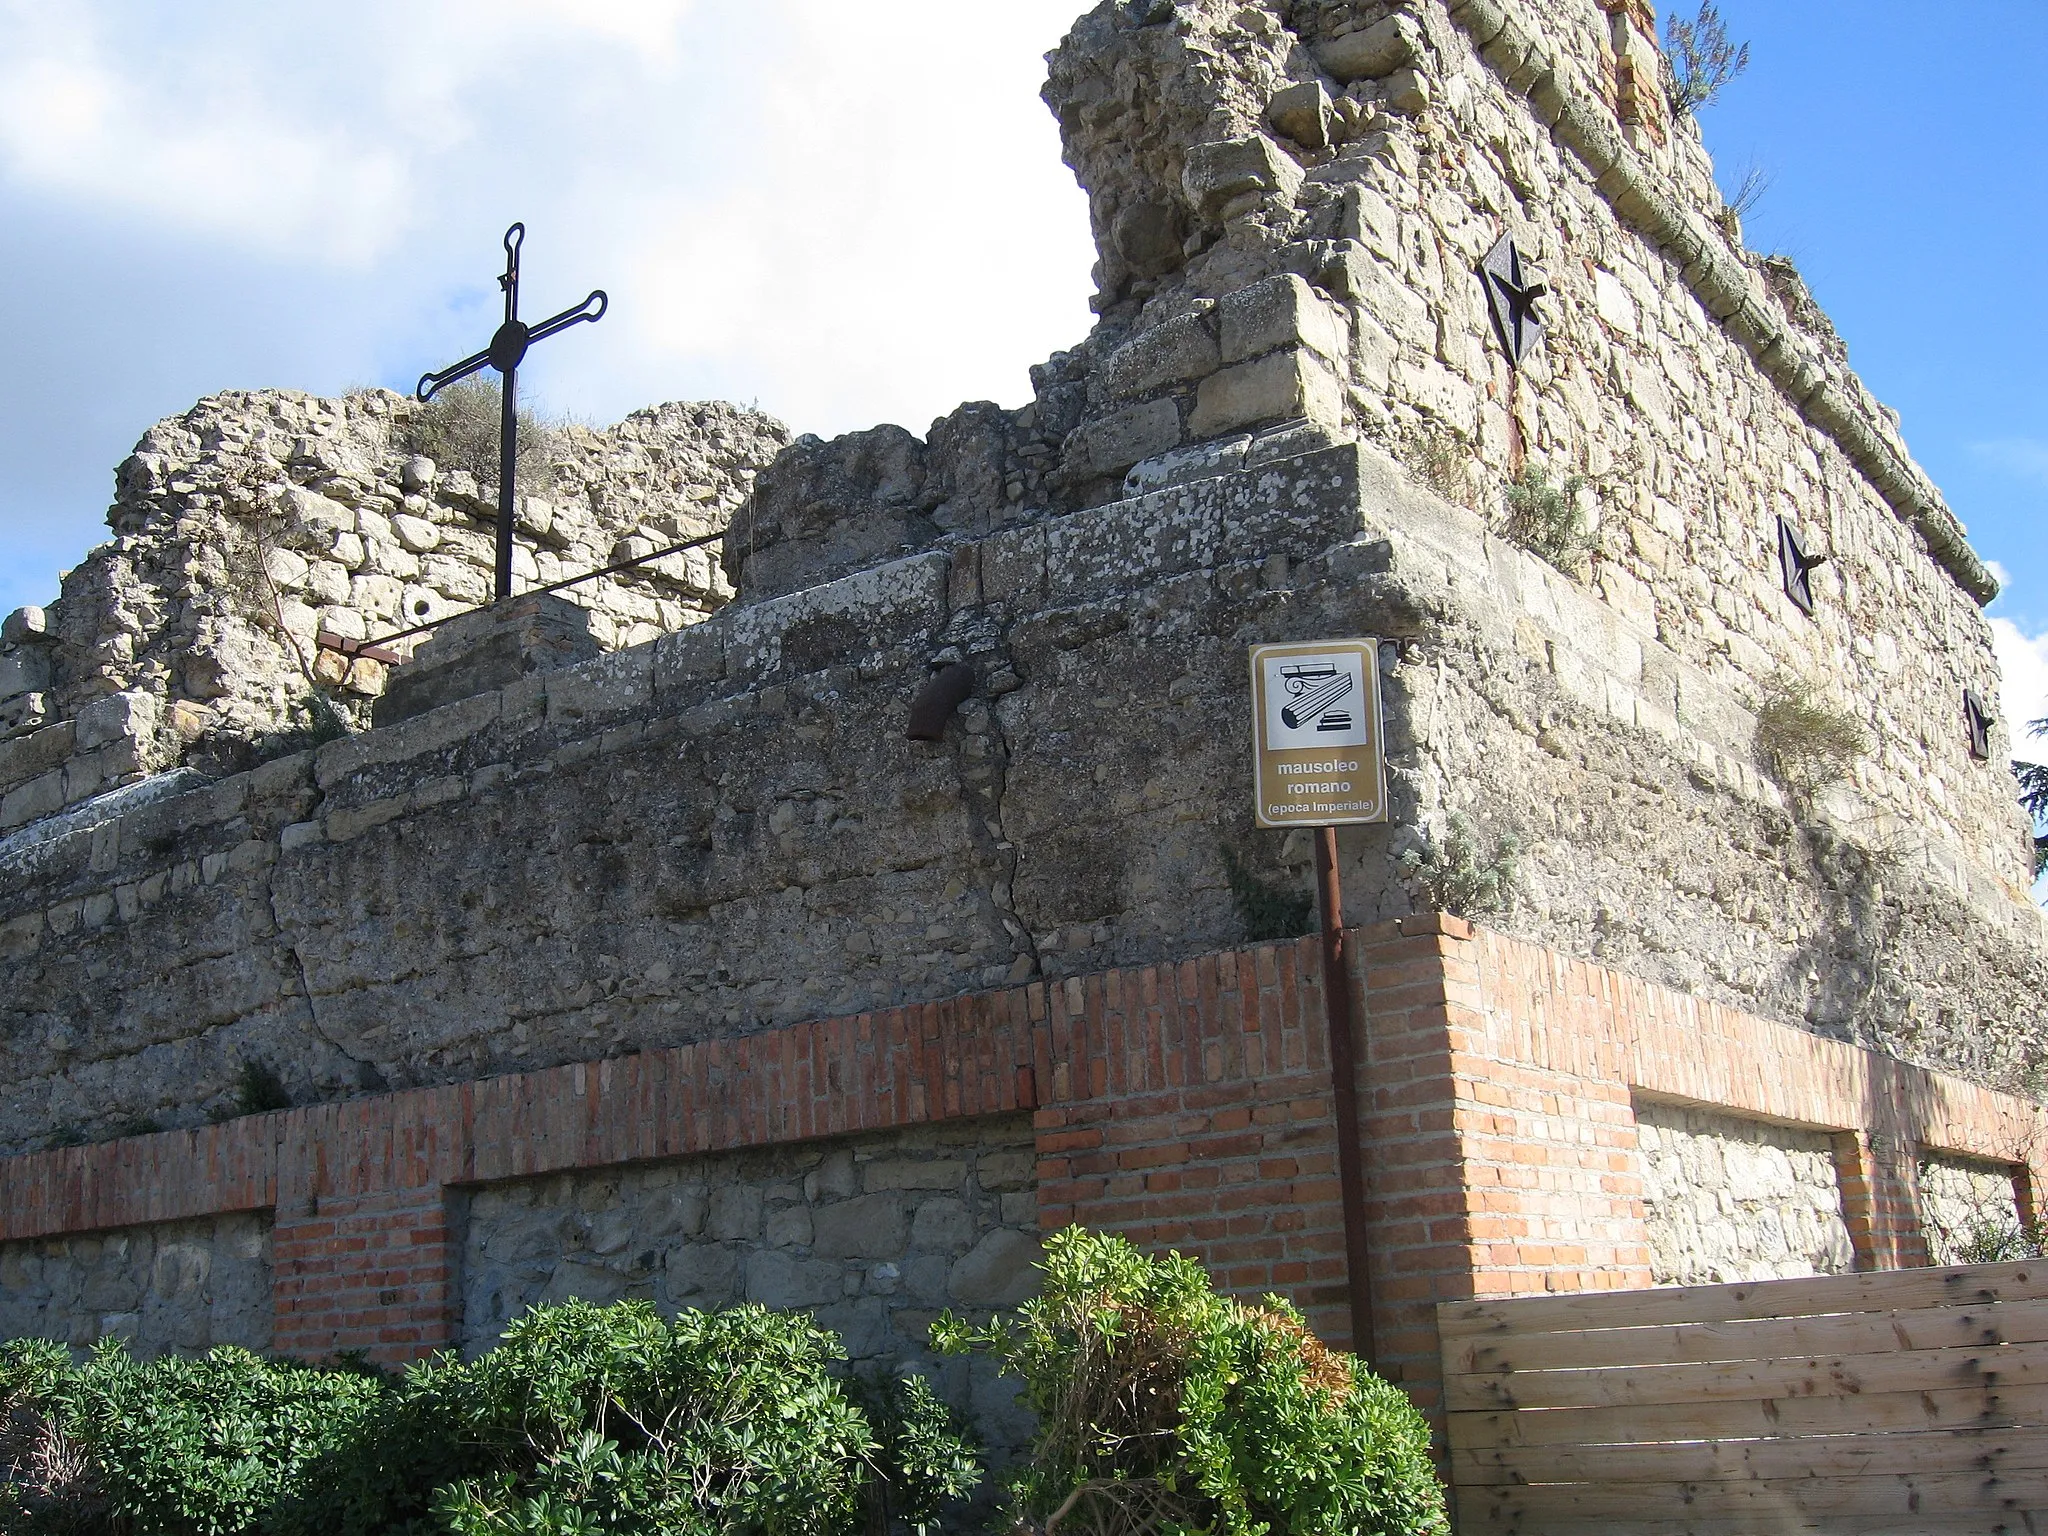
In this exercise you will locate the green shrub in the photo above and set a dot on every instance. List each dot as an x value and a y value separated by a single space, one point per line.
170 1447
585 1419
1163 1407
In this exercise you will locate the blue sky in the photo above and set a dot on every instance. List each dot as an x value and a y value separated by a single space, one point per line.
846 214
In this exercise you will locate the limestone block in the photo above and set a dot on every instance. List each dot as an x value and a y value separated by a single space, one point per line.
38 752
694 654
1216 174
315 513
1112 444
377 594
25 625
26 670
999 1271
393 560
417 475
1278 387
327 582
32 801
1180 350
609 685
867 1227
1372 52
117 717
284 568
1282 311
1302 112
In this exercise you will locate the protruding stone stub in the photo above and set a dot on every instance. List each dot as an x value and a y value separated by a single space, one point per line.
487 650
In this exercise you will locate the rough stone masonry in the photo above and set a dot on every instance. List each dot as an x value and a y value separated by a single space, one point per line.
1292 419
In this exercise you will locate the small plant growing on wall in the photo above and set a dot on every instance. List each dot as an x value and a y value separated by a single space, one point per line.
1546 519
1807 743
1438 459
1267 911
460 429
1456 872
1699 61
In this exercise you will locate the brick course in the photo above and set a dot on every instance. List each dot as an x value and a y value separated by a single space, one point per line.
1187 1106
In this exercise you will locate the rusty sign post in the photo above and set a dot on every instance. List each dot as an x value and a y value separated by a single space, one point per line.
1318 762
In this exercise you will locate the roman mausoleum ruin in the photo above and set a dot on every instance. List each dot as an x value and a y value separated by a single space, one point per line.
671 967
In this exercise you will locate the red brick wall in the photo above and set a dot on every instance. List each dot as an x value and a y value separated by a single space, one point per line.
1202 1121
1187 1105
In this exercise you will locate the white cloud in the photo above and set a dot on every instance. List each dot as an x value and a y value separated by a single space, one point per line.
2023 696
848 214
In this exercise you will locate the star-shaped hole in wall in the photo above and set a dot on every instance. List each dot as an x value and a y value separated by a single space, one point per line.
1513 285
1977 715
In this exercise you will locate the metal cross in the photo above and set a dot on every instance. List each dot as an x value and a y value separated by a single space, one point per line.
508 346
1512 289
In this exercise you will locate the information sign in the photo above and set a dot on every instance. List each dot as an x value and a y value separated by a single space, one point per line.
1316 747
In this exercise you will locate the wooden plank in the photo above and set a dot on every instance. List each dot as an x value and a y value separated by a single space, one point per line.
1944 1495
1905 1371
1885 1290
1781 1523
1963 1408
1840 1333
1792 1456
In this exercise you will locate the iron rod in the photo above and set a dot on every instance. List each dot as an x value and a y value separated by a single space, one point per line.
508 474
1344 1091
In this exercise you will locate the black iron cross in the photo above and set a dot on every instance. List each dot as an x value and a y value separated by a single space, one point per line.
508 346
1512 289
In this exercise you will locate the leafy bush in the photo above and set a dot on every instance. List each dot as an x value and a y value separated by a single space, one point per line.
172 1447
1805 742
1163 1407
585 1419
1545 519
463 425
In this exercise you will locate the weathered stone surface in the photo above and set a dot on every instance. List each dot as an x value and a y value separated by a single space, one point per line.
1729 1199
1372 51
178 1287
1218 175
728 829
1277 387
1302 112
1180 351
260 518
1282 311
1112 444
485 651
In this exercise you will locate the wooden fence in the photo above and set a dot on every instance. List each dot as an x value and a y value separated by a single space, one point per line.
1867 1405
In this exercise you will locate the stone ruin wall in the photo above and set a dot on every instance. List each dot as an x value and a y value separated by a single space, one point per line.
724 830
1290 203
260 520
